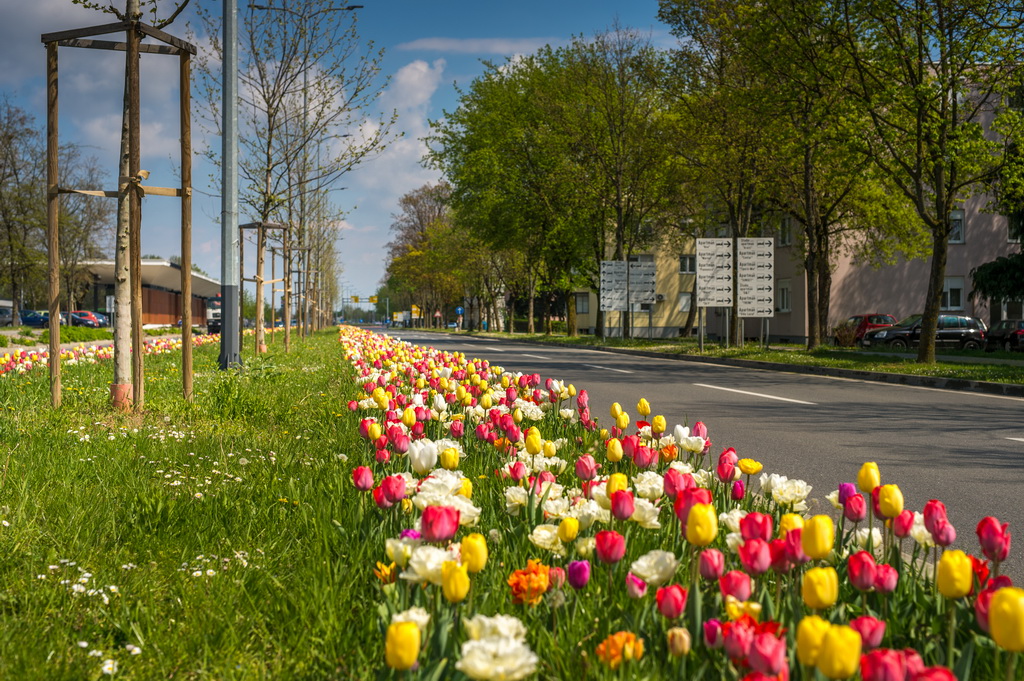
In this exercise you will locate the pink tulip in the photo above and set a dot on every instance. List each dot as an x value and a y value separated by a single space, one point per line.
767 654
675 481
795 547
635 587
738 490
393 487
556 577
725 470
401 443
944 533
933 511
756 526
439 523
380 498
871 631
903 523
994 538
862 569
623 505
912 662
699 430
713 633
855 510
517 471
671 601
712 564
737 640
629 445
610 546
586 467
458 428
886 578
882 665
578 574
362 478
755 556
735 583
644 457
688 498
582 400
382 456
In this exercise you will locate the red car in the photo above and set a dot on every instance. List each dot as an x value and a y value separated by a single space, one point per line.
86 314
859 324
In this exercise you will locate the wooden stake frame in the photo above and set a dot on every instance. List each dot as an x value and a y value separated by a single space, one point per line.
131 185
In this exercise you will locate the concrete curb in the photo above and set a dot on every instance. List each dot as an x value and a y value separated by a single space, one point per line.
985 387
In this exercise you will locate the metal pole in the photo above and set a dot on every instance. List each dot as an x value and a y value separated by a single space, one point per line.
52 215
229 246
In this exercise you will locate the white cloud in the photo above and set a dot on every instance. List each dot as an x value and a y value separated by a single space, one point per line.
413 86
480 45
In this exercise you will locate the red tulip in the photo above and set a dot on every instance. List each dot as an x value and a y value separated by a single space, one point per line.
994 538
737 639
645 457
582 400
712 563
886 577
688 498
883 665
556 577
586 467
393 487
862 569
675 481
755 556
699 430
934 674
517 471
875 508
380 498
779 550
981 603
871 630
767 654
855 509
756 526
671 601
903 523
933 510
439 523
795 546
362 478
623 504
981 571
735 583
725 470
739 490
912 662
713 633
610 546
629 445
458 428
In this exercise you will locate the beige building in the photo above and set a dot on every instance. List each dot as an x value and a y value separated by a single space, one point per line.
857 288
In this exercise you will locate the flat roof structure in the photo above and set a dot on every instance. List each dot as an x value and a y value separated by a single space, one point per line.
162 274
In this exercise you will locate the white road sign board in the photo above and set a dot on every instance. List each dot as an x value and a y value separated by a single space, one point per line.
613 285
714 272
642 277
755 274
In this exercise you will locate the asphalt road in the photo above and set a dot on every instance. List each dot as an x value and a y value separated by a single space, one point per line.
966 449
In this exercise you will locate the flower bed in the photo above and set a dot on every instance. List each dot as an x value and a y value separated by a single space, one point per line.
517 536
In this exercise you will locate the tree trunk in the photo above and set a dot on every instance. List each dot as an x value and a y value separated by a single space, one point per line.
688 329
570 314
811 275
933 301
261 250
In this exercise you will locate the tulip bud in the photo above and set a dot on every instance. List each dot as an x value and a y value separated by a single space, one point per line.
820 588
643 407
402 645
712 564
568 529
701 525
658 424
818 537
517 415
578 574
454 581
616 482
671 601
678 641
868 478
450 458
474 552
613 450
810 634
840 652
890 500
622 420
615 410
362 478
955 574
635 587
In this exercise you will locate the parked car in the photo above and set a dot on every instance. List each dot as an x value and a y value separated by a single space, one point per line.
40 318
102 319
86 316
80 319
859 324
954 331
1006 335
6 316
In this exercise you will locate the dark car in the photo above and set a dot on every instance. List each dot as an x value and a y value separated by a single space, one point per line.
6 316
1006 335
84 319
102 319
954 331
853 329
35 318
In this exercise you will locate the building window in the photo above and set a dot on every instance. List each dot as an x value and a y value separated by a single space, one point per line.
956 226
687 264
953 293
782 299
786 231
642 257
684 302
582 303
1014 226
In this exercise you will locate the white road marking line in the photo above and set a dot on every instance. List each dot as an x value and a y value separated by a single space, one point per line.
1018 439
594 366
495 350
535 356
745 392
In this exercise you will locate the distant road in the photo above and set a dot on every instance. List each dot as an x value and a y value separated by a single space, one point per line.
966 449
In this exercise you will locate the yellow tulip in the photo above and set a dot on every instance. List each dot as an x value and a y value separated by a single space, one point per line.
890 501
409 417
505 382
549 448
818 536
615 410
466 489
702 525
485 401
474 552
658 424
467 401
622 420
809 636
613 450
517 415
603 433
643 407
420 383
442 383
955 574
616 482
749 466
790 521
534 444
460 392
1006 618
373 431
820 588
572 390
840 652
402 645
869 478
568 529
454 581
450 458
678 641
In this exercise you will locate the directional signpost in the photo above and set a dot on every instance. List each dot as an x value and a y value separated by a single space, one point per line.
714 272
756 277
613 285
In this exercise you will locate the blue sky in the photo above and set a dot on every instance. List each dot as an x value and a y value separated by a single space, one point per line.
429 46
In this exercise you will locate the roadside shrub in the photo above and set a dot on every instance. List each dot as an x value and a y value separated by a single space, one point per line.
845 335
